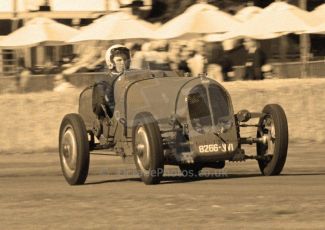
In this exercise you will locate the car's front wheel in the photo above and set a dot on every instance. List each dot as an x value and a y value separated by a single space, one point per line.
148 149
74 149
273 127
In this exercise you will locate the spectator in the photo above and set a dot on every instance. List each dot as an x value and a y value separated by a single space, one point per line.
255 60
226 67
139 59
23 76
24 80
219 64
197 60
235 51
174 54
159 56
182 65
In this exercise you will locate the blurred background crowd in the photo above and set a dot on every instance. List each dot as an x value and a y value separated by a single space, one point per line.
56 41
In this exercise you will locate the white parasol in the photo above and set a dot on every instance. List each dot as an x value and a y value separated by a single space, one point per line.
197 20
115 26
36 31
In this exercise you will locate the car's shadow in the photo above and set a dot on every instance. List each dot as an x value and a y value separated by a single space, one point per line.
183 179
113 181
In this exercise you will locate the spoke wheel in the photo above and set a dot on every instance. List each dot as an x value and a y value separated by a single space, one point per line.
273 127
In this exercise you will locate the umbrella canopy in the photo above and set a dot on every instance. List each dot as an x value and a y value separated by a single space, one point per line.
319 12
220 37
36 31
242 15
197 20
115 26
320 29
277 19
247 13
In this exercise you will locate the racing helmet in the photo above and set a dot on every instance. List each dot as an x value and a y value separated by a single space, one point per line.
116 50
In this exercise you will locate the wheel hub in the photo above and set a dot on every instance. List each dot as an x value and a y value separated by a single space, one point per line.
66 150
142 147
268 135
69 151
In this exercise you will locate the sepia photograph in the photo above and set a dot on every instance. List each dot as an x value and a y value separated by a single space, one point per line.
162 114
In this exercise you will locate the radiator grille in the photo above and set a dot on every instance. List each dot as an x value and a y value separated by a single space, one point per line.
219 103
198 106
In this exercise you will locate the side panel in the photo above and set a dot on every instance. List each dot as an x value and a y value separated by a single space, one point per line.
85 107
157 96
121 88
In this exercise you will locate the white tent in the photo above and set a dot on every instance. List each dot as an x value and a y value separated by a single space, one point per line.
115 26
197 20
36 31
278 19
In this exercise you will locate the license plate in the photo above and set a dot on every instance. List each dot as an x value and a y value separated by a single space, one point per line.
216 148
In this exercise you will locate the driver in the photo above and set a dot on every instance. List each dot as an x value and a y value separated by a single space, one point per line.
118 59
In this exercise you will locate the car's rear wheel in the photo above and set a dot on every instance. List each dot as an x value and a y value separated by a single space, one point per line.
74 149
273 127
148 149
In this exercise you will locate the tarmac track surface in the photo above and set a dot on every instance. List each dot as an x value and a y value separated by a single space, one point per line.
34 195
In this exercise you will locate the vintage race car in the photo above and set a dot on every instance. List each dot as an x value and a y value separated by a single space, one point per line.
162 119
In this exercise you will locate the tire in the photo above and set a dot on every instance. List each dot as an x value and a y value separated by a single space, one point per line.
190 170
274 126
148 149
74 149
